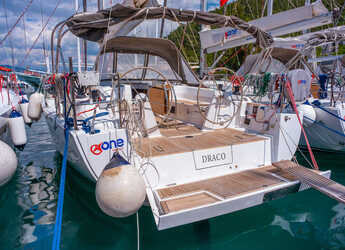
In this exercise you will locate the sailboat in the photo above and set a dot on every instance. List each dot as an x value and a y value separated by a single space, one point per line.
324 110
323 117
143 126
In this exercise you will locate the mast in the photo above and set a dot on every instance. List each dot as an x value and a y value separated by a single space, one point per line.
313 53
307 2
202 54
163 20
84 41
78 40
270 8
45 54
10 39
100 4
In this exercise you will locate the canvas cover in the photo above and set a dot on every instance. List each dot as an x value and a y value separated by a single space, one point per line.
94 26
281 23
124 28
323 37
163 48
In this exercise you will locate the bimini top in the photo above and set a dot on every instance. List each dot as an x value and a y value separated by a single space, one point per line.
163 48
280 57
94 26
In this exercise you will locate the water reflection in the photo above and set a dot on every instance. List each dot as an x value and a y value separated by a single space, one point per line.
337 226
36 190
202 230
37 196
329 235
307 220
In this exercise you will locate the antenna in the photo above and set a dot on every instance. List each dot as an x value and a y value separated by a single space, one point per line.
163 20
84 41
78 40
202 55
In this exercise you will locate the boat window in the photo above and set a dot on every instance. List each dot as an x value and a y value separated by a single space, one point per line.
126 62
105 65
162 66
191 78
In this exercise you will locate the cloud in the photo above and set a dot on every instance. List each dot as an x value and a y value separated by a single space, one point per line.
27 30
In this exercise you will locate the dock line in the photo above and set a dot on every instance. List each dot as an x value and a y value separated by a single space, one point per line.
59 211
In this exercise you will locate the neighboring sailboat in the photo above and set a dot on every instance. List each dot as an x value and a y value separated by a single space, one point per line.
323 117
325 109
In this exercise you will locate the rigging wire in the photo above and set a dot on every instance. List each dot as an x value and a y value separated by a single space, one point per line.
340 15
10 39
38 36
291 3
106 41
264 8
43 36
25 40
15 24
250 9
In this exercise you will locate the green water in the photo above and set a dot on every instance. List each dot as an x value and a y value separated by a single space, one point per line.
306 220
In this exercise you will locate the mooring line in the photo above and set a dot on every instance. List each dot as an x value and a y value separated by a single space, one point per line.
59 211
58 220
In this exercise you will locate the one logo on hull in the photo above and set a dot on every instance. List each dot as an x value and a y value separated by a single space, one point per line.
98 149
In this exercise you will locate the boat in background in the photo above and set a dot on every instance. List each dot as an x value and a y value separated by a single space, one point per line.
8 159
322 101
7 98
30 76
324 110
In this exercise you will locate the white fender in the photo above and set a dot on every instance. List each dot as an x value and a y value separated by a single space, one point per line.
120 190
35 106
24 107
8 163
17 129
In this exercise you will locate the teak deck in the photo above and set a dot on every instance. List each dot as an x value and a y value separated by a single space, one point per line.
189 139
209 191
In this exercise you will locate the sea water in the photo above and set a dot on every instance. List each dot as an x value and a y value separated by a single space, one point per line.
306 220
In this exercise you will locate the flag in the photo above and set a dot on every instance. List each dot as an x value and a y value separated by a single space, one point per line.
223 2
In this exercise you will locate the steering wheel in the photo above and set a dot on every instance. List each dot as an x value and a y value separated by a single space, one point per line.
162 82
227 92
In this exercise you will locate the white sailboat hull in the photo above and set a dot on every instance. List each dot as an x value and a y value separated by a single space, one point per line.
325 133
5 109
79 150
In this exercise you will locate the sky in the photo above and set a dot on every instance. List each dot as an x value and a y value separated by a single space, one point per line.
25 33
